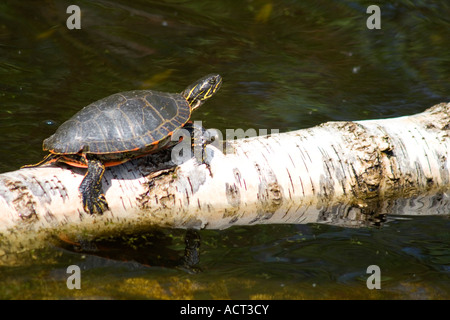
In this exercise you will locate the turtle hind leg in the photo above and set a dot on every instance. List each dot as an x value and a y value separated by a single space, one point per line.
91 187
50 158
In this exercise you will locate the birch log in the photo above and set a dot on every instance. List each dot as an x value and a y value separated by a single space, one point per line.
348 173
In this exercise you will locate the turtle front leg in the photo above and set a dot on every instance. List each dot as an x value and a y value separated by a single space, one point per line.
91 187
200 138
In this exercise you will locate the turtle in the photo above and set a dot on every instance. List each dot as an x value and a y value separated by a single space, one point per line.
121 127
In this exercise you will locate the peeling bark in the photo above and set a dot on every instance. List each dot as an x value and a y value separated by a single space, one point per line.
347 173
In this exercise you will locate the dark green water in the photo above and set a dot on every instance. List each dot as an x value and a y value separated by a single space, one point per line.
286 65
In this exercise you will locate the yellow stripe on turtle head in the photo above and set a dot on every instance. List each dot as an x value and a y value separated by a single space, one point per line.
201 90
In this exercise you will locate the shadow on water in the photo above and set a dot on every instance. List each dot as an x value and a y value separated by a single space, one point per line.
149 249
286 65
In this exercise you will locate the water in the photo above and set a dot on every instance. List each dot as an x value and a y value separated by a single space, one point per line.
286 65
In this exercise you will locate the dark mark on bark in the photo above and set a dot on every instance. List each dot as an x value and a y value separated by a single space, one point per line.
233 195
167 201
270 194
190 185
290 179
21 199
237 176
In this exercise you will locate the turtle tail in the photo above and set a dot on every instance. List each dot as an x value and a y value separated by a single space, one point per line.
50 158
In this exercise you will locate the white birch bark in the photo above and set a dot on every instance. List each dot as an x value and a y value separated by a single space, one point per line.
348 173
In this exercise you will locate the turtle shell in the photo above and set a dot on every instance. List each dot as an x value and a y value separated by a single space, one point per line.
123 122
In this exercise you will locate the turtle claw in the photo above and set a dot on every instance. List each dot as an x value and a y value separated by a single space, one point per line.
102 204
95 206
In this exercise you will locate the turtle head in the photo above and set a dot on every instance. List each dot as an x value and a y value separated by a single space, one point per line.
202 89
